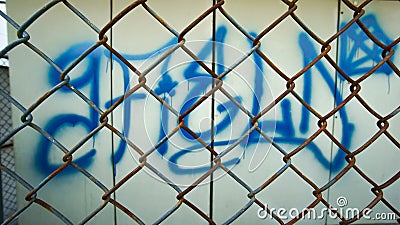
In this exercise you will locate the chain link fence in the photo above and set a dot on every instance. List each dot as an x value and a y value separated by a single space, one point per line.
216 80
9 200
8 186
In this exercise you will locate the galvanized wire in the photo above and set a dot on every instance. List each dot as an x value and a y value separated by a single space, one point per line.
27 120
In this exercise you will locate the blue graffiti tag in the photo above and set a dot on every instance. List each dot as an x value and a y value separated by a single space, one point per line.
357 49
286 132
55 125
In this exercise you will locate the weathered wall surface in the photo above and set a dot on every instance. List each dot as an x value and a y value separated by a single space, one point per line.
180 81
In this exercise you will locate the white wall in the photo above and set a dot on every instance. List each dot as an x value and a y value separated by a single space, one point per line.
62 36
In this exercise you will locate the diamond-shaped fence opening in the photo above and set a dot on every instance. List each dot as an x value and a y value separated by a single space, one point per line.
266 119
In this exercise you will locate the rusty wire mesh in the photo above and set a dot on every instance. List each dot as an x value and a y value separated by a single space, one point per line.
27 120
